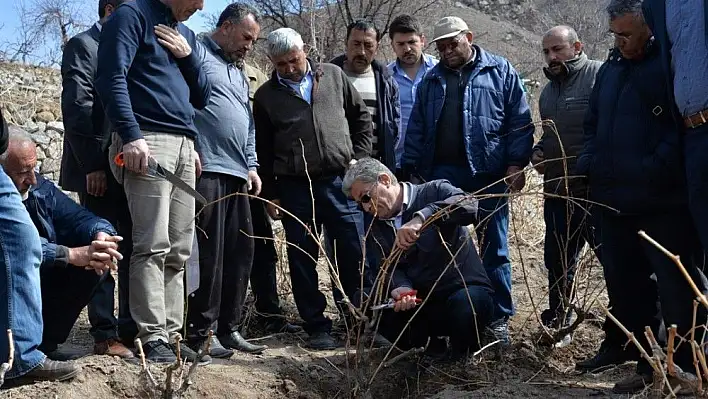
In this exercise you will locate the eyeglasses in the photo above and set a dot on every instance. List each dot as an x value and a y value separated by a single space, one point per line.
366 197
442 47
620 36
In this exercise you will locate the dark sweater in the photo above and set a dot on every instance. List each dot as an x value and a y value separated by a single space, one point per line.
4 134
422 264
142 85
332 131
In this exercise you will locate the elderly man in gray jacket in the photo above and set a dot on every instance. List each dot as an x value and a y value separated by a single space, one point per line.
564 100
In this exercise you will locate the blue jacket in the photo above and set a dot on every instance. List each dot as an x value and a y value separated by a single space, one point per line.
422 264
631 152
141 84
61 222
388 112
496 122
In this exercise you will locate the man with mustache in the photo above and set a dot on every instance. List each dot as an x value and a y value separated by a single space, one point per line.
564 100
150 81
227 148
408 41
471 125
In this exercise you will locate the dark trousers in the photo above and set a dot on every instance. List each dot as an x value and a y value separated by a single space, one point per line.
461 315
492 231
264 283
113 207
695 150
225 241
628 261
568 228
343 220
65 293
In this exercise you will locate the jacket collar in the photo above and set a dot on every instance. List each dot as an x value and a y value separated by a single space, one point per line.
483 60
428 60
571 68
214 47
376 66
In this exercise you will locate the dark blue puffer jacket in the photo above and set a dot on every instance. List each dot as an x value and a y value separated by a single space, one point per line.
631 154
61 222
496 121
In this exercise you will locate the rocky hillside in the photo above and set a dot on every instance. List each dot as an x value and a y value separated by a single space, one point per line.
30 99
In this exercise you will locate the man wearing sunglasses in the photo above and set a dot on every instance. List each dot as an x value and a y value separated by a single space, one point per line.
471 125
453 290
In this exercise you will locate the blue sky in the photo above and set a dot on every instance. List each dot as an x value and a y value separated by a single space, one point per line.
9 20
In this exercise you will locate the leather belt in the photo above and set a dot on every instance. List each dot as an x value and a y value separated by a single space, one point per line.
696 120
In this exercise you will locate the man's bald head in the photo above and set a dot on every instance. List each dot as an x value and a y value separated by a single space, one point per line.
20 160
560 44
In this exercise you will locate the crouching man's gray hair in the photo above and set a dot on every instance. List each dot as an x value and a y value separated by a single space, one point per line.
366 170
18 136
282 41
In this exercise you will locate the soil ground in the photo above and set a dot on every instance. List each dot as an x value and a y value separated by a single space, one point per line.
287 370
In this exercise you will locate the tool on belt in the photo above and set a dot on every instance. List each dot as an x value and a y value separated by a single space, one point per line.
156 170
391 301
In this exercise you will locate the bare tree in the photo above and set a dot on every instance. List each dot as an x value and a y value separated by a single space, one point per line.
47 23
588 18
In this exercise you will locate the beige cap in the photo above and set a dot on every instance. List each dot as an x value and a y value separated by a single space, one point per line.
449 27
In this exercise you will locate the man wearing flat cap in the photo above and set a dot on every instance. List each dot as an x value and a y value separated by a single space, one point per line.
471 125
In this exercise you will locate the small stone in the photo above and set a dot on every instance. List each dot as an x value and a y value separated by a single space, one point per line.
44 116
41 127
56 126
41 139
40 154
50 166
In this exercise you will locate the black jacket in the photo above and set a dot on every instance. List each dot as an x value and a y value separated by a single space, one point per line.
655 16
422 264
4 133
85 122
388 111
632 153
296 139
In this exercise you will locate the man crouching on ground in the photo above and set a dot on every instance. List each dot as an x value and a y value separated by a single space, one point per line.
455 289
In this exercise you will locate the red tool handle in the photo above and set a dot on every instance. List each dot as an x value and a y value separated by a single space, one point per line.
411 293
119 159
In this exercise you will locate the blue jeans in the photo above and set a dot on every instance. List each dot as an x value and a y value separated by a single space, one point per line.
343 221
20 256
492 231
568 228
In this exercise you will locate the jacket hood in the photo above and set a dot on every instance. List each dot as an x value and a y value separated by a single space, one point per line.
571 67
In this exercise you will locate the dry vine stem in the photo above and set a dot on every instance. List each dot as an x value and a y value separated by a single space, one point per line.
5 367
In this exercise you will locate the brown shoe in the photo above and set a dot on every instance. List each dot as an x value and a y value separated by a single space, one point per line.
51 370
112 347
632 384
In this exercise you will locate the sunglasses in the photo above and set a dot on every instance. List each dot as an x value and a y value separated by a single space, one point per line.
442 47
366 197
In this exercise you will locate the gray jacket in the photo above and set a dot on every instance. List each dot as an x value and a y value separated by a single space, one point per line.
564 101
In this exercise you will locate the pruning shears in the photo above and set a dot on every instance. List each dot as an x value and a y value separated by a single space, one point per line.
391 301
156 170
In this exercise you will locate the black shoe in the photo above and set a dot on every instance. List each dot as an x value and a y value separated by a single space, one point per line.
321 341
633 384
64 353
236 341
188 355
499 330
216 350
280 325
51 370
158 352
552 319
607 356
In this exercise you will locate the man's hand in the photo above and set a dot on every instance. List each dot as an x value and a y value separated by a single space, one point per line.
515 178
273 210
173 41
254 183
537 159
403 302
409 233
96 183
135 156
197 163
99 255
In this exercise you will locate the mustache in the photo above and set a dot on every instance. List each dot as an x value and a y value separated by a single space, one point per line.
555 64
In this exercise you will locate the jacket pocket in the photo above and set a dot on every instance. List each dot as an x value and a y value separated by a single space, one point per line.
298 161
576 103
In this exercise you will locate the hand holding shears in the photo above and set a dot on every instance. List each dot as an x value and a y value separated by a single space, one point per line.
402 299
